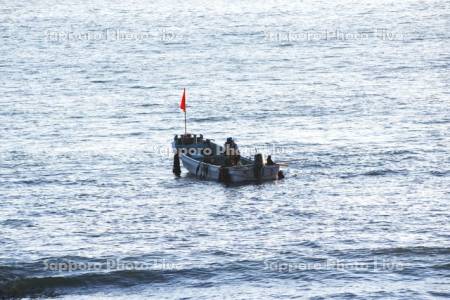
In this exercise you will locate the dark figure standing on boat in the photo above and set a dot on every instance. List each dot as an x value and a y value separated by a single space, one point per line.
231 152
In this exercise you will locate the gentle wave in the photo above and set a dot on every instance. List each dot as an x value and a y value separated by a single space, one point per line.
382 172
30 281
420 250
440 173
141 87
54 285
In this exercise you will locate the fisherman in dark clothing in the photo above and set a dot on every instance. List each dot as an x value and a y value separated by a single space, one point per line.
231 152
269 160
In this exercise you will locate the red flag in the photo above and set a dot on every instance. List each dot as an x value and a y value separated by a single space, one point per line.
183 101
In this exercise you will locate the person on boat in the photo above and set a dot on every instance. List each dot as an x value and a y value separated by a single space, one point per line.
232 155
269 161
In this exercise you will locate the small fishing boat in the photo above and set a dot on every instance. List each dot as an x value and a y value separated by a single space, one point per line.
207 160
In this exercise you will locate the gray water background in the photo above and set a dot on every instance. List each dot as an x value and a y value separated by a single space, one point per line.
354 93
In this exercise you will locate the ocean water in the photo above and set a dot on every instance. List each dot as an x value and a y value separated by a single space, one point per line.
354 94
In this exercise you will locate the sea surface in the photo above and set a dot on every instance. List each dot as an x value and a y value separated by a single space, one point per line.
355 95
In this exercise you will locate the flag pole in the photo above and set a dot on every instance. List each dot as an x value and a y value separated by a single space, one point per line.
183 107
185 122
185 127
